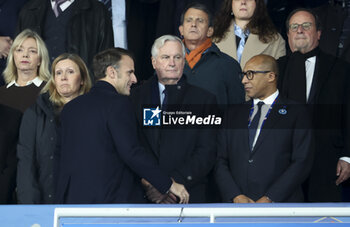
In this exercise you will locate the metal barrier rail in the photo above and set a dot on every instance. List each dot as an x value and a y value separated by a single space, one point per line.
211 212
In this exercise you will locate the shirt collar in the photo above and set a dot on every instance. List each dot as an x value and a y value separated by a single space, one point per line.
312 59
269 100
36 81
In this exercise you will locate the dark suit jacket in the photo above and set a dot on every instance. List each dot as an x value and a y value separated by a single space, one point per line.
279 162
10 120
100 153
330 98
186 154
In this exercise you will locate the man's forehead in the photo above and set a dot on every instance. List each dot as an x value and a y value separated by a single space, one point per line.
171 47
191 11
253 64
301 17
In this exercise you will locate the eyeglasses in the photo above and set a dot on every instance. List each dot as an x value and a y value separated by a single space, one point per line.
250 74
306 26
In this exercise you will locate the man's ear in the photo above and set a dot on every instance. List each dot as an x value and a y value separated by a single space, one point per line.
110 72
153 62
181 30
272 76
210 32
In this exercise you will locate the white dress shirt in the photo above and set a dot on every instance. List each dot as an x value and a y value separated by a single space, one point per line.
161 92
63 6
264 110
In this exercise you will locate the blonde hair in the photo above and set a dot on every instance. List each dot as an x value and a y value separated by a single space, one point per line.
10 72
50 87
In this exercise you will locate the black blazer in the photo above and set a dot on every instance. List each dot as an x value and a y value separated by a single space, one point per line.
330 99
10 120
279 162
186 154
100 155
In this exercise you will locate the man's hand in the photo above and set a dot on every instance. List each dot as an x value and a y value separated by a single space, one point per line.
242 199
180 191
343 171
155 196
264 199
5 45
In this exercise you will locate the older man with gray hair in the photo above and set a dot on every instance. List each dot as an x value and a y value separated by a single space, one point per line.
186 153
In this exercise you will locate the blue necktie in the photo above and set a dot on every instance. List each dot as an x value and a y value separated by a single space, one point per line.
243 35
254 125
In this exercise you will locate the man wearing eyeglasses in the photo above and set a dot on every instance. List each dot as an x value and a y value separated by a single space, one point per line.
266 158
308 75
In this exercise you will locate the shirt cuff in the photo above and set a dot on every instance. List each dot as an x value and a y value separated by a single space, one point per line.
347 159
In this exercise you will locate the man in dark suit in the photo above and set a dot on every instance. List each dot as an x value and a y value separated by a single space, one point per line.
100 153
187 154
266 158
308 75
206 66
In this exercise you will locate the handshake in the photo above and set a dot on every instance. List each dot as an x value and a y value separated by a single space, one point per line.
177 193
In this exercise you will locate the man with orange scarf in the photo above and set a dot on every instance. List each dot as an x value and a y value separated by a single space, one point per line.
206 66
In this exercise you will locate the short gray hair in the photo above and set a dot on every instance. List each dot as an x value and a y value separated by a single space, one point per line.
159 43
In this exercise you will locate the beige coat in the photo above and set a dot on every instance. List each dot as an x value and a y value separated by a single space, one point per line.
252 47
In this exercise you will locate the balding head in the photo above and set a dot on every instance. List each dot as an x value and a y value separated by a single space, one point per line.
260 76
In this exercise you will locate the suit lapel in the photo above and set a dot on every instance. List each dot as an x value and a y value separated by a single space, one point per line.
272 120
152 99
322 72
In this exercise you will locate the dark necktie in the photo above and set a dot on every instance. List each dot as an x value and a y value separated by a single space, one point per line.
56 8
165 99
254 125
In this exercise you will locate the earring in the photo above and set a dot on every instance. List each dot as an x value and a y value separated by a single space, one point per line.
231 13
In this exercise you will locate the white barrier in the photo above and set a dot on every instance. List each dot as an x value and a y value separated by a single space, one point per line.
210 212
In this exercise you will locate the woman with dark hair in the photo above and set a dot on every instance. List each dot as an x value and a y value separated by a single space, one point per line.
37 137
243 29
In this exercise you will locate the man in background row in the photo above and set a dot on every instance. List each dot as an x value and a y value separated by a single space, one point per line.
308 75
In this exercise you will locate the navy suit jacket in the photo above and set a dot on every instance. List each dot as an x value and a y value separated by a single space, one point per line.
278 164
187 154
100 153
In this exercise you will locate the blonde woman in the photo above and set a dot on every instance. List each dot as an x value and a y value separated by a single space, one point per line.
26 71
37 138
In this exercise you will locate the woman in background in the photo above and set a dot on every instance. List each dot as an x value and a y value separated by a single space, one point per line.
243 29
26 71
37 138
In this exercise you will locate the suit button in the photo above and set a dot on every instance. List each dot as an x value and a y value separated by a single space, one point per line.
250 161
189 177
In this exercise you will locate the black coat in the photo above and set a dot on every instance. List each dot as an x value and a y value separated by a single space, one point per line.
217 73
279 162
330 103
186 154
10 120
35 152
89 30
100 159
